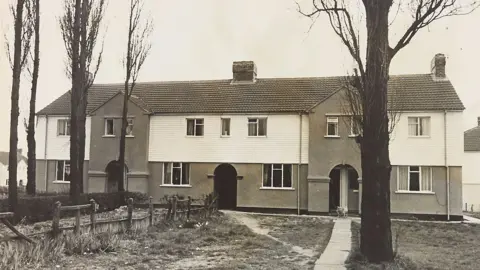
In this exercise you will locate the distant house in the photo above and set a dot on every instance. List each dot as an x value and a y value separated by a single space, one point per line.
263 144
471 175
21 168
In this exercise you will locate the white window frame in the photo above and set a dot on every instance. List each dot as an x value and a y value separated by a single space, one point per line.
256 121
272 169
419 126
63 174
222 126
105 134
181 167
333 120
409 171
130 122
195 124
65 125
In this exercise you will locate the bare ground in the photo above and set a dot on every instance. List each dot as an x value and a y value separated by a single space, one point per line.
222 243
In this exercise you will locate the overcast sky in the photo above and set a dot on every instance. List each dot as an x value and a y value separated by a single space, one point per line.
195 40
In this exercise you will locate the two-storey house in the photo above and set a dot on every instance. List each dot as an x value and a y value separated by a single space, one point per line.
263 143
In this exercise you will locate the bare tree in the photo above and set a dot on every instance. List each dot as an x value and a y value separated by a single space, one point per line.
31 168
80 25
23 32
138 48
370 81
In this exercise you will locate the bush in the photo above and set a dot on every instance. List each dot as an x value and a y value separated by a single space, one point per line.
40 208
90 243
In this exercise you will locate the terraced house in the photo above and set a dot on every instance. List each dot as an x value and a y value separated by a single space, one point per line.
263 143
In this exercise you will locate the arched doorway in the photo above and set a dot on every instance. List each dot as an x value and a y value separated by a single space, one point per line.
114 172
225 186
343 188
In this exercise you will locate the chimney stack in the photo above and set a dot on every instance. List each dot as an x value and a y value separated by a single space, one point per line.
438 66
478 121
244 71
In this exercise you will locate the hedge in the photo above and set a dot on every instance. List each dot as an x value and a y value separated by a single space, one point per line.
40 208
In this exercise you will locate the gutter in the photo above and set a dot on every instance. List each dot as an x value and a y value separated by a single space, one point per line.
45 153
299 163
446 162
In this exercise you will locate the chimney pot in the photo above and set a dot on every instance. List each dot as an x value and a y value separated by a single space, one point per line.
438 66
244 71
478 121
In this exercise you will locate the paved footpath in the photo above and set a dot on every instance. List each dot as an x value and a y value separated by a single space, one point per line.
338 247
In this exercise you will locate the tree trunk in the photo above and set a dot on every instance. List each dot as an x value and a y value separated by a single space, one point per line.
375 232
123 133
17 69
75 102
31 169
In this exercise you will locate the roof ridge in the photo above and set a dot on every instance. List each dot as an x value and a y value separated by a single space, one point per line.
468 130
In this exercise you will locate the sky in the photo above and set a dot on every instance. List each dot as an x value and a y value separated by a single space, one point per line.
199 40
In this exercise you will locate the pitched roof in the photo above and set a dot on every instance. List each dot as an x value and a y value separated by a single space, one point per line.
471 139
4 158
266 95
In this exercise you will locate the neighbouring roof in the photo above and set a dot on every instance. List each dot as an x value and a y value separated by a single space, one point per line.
4 158
471 139
267 95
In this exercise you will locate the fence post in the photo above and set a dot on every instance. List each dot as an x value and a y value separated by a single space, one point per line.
56 219
174 207
150 211
92 216
189 206
169 212
130 214
205 205
77 221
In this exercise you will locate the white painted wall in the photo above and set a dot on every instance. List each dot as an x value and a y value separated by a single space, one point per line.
471 180
168 140
405 150
58 147
21 173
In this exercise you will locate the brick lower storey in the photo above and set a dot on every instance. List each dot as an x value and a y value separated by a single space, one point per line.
308 194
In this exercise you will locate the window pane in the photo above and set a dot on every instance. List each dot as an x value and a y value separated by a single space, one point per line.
277 178
190 127
129 126
185 173
425 126
402 181
199 130
176 175
167 173
414 181
60 170
262 127
414 168
199 121
332 129
67 128
426 179
226 126
252 129
287 175
267 175
109 127
67 171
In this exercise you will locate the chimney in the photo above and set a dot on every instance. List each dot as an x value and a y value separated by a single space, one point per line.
244 71
478 121
438 66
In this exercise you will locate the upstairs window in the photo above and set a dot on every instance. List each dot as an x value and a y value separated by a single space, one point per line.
63 127
419 126
332 126
129 127
226 127
109 127
355 125
257 127
195 127
277 176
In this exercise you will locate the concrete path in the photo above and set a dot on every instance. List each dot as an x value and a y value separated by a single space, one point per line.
469 219
338 247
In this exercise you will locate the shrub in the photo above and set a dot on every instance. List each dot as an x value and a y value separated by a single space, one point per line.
22 255
40 208
90 243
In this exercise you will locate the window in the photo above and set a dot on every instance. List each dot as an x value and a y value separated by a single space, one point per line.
129 127
355 122
414 178
277 175
109 128
225 126
332 126
63 127
176 173
63 170
418 126
257 127
195 127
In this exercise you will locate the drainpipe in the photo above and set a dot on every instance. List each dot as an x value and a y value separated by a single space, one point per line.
446 163
45 153
299 164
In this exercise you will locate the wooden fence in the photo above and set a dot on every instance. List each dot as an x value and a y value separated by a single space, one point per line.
177 209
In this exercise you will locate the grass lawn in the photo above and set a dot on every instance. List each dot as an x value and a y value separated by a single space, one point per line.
427 246
220 244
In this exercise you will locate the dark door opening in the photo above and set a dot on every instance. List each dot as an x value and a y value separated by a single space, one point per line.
225 186
114 172
334 191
